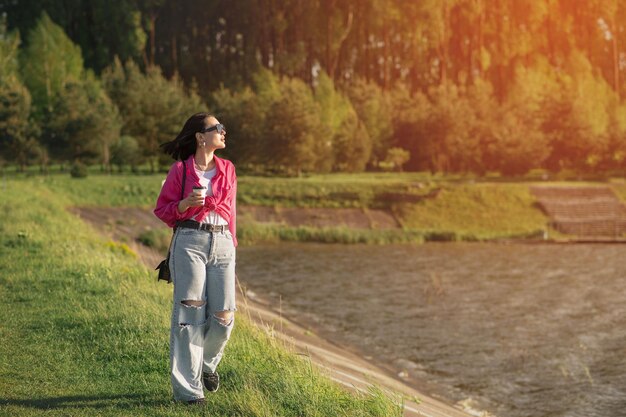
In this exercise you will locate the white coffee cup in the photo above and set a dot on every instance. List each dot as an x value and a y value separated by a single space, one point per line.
201 189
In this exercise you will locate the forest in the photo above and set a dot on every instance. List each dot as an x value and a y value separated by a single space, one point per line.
445 86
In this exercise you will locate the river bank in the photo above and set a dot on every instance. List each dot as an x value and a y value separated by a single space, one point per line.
345 364
455 306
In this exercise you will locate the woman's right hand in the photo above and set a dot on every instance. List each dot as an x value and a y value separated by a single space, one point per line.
195 199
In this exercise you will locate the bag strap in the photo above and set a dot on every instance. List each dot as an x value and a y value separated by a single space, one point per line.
182 188
182 195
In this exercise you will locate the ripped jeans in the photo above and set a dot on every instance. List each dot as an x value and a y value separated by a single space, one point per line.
203 271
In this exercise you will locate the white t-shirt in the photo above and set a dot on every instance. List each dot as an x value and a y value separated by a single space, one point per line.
205 180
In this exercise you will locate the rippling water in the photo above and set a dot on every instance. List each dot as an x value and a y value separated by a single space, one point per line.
524 330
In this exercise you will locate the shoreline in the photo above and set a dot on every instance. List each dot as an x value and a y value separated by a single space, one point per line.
346 365
310 328
349 365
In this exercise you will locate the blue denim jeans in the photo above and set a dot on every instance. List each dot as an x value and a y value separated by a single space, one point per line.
203 271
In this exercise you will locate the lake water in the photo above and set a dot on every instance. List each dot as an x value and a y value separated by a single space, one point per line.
522 330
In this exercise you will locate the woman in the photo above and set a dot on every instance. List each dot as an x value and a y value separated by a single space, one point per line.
202 255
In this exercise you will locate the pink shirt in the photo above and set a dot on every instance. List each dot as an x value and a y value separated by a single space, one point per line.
223 201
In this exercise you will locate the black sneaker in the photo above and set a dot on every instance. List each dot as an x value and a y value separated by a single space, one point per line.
197 401
211 381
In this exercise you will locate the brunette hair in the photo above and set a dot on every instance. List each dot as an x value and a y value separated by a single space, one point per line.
185 143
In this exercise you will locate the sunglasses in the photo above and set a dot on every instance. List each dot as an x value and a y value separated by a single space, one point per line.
219 127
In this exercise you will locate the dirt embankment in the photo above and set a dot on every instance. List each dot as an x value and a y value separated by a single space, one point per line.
355 218
124 224
132 221
127 224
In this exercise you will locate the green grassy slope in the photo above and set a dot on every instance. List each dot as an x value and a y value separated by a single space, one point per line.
476 212
85 331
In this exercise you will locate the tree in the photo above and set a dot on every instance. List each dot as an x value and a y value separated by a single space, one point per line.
125 151
577 117
49 62
153 109
77 119
247 111
17 133
297 139
411 126
101 31
373 107
85 123
352 146
9 48
439 130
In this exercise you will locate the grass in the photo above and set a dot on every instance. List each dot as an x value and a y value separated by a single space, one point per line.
158 239
476 212
358 190
619 186
85 331
465 209
102 190
254 233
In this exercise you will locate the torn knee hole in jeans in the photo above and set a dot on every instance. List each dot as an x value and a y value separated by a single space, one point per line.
193 303
192 313
225 318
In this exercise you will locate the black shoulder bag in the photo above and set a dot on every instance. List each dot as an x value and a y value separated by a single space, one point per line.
164 266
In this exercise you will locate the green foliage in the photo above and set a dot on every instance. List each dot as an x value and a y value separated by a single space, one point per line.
79 170
125 151
464 86
437 129
85 122
158 239
76 118
410 121
396 158
9 48
153 109
17 134
48 63
121 248
517 143
281 122
101 31
256 233
296 136
577 117
351 142
373 107
246 113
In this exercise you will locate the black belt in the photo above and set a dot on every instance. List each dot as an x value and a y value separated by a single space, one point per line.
191 224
